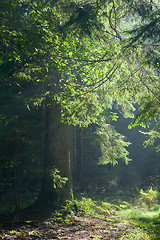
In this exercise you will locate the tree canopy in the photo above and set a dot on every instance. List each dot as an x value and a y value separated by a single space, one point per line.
92 57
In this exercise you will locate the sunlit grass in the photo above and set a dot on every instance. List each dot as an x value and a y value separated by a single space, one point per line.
142 213
145 222
144 219
141 220
137 234
136 213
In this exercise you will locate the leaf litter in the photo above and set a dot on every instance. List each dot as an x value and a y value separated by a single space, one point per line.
78 227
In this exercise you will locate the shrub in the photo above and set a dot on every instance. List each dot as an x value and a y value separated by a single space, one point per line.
149 197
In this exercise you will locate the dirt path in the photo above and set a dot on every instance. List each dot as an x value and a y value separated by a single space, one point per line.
84 227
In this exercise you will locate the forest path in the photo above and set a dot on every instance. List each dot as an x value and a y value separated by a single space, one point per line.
93 228
79 227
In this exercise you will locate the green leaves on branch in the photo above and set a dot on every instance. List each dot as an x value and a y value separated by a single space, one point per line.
153 135
113 145
81 54
81 111
58 180
146 114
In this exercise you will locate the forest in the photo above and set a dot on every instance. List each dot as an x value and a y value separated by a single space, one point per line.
80 119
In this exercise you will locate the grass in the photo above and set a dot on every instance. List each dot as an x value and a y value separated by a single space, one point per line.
137 234
144 218
142 213
132 218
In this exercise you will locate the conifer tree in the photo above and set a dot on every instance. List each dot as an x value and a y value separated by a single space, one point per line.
81 58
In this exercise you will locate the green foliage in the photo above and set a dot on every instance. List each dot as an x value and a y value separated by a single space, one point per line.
99 208
149 197
82 55
88 205
112 145
144 40
58 180
84 206
143 224
84 76
84 17
145 220
138 234
78 75
153 135
147 113
70 209
113 116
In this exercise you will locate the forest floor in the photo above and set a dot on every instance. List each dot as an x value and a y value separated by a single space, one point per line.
95 221
79 227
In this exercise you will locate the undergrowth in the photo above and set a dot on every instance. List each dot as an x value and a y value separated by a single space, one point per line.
142 214
85 206
139 217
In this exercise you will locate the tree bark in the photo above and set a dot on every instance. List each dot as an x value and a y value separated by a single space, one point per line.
57 154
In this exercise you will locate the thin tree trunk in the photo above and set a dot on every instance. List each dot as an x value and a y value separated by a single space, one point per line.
82 153
17 180
74 157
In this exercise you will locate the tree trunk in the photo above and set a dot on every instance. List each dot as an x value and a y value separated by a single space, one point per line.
57 154
16 179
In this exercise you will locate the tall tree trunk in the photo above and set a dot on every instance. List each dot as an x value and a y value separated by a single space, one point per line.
16 179
74 157
57 153
61 148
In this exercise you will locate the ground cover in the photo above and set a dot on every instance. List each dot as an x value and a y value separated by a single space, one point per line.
86 219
